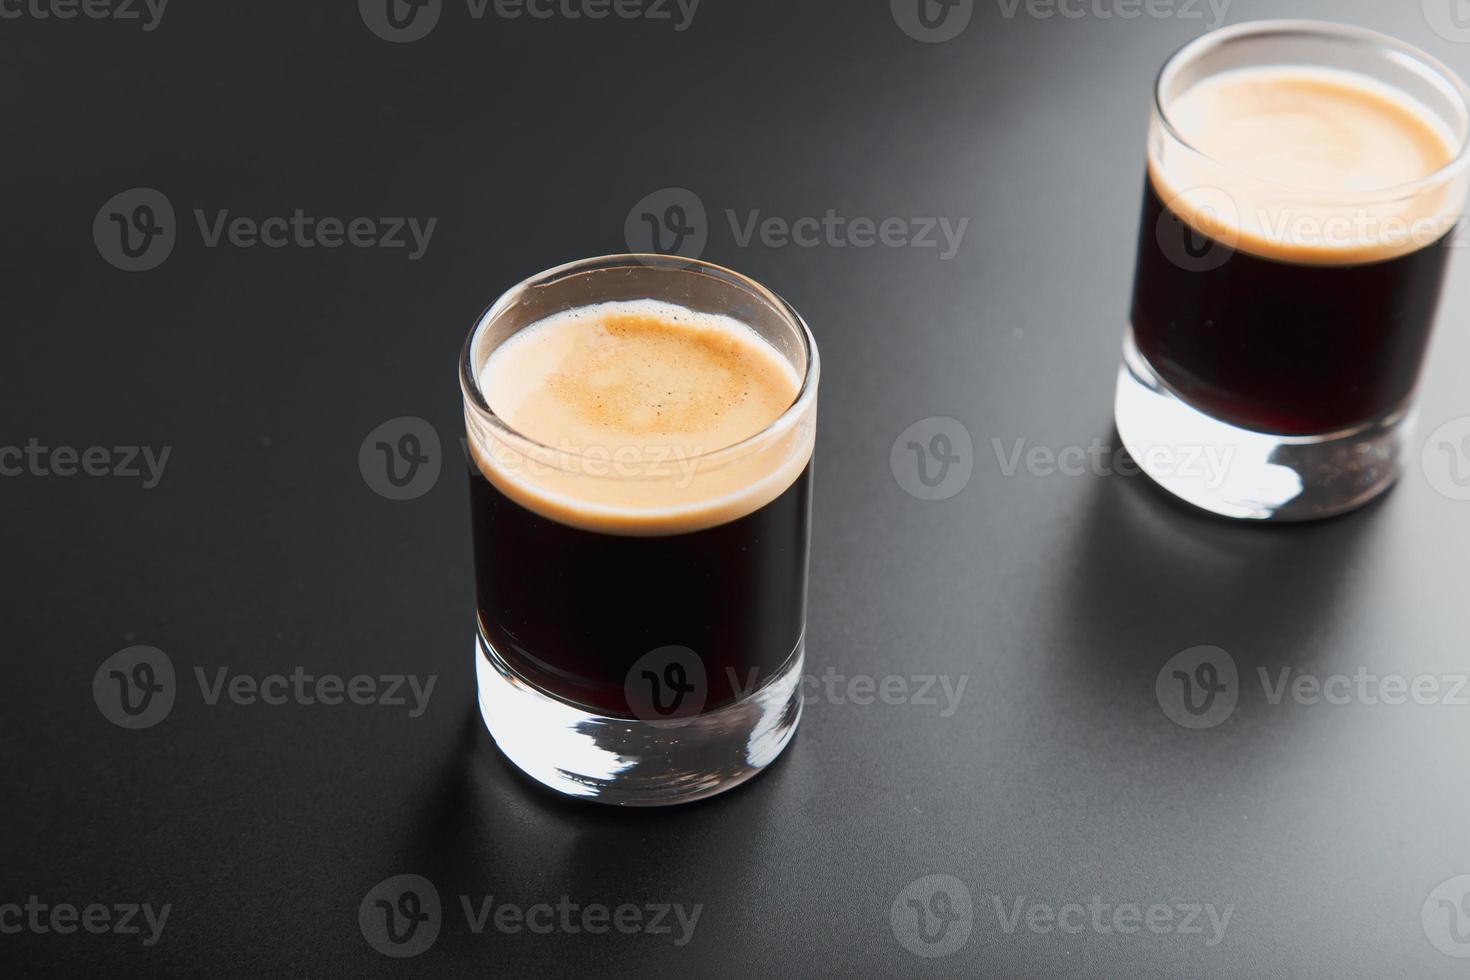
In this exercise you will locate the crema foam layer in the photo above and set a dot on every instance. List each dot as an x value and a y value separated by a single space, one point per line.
1307 165
621 406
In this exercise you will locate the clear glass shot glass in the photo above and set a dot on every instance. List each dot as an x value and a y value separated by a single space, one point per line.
641 617
1278 332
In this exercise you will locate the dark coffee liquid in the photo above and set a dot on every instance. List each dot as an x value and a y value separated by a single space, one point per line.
1277 346
573 610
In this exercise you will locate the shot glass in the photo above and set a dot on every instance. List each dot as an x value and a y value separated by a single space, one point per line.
641 614
1278 331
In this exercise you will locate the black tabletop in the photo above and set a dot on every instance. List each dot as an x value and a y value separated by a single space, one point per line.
994 776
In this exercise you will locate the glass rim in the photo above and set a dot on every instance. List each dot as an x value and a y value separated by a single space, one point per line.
475 400
1433 68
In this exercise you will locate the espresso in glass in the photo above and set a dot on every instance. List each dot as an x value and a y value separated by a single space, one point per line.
724 576
1303 188
641 433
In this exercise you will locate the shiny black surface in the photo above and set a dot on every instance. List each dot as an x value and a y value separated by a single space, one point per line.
262 549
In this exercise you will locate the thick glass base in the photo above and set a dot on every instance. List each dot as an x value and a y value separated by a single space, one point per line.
1245 474
627 761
